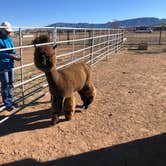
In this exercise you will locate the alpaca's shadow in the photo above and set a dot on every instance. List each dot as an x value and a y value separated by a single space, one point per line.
29 121
38 102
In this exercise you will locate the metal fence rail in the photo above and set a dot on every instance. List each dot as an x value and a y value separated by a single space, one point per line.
74 45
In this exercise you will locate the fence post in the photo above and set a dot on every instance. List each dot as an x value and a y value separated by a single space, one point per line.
100 39
21 64
123 44
54 33
73 43
119 40
91 35
84 42
60 32
116 42
68 36
117 46
108 44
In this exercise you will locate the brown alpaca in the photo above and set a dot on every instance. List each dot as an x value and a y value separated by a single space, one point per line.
65 82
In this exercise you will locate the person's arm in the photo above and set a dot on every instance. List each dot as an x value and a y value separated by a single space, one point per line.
13 52
12 45
15 57
3 54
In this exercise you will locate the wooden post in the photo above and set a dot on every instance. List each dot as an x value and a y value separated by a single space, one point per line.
161 30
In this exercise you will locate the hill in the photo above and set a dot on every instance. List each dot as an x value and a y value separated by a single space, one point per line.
146 21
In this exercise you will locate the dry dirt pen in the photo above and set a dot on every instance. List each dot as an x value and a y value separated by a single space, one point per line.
124 126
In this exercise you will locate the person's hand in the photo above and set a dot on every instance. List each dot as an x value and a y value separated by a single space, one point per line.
15 57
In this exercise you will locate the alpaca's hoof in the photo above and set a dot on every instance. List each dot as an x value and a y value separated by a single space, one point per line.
85 107
55 120
68 118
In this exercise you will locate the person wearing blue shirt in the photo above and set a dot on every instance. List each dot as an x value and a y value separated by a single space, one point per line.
7 66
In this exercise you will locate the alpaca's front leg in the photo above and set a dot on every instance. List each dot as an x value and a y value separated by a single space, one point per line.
57 108
69 107
87 95
90 95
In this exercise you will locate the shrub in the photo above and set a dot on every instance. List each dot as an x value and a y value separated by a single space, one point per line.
143 46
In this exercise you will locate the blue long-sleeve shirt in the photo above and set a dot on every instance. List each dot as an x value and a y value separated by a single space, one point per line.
6 62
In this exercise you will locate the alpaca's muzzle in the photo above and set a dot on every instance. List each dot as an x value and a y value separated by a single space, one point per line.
44 60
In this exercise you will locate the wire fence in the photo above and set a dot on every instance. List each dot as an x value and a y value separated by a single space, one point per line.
74 45
154 38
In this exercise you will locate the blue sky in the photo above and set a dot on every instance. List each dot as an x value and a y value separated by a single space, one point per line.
44 12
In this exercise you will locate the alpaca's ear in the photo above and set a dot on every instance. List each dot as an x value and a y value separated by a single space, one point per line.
34 42
34 45
54 46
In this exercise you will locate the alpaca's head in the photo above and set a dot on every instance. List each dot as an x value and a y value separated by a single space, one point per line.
44 56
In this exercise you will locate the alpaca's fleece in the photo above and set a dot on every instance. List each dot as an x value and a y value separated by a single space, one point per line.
65 82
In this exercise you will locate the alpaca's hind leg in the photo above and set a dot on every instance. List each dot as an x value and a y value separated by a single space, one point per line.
69 107
87 95
56 107
83 97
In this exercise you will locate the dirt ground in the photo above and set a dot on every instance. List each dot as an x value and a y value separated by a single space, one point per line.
130 105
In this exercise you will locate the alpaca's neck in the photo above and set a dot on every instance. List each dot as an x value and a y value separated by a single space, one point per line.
54 73
52 77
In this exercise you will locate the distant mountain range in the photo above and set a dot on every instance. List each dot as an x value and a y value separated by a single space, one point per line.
136 22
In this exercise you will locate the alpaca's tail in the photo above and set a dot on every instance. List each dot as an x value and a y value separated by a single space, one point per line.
88 72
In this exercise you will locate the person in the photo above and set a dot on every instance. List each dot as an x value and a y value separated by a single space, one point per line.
7 66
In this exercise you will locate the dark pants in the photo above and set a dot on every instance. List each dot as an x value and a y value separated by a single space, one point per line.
7 79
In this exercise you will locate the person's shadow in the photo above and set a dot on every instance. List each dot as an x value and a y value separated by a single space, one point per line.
29 121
